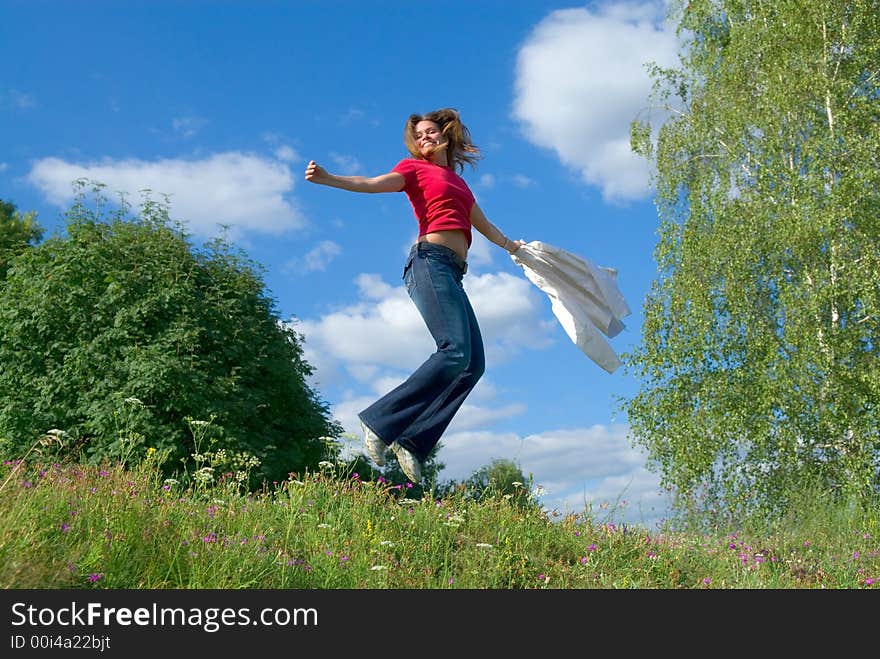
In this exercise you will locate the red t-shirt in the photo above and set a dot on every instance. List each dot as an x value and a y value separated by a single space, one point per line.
440 198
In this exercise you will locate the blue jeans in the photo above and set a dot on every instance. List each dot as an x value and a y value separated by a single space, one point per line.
416 412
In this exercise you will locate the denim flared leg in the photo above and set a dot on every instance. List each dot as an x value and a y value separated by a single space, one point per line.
418 411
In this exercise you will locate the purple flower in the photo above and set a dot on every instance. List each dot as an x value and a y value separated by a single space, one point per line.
65 527
94 576
707 581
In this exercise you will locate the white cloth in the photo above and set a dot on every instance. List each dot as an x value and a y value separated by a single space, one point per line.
584 297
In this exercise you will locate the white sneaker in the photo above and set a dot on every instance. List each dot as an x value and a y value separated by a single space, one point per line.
408 462
375 447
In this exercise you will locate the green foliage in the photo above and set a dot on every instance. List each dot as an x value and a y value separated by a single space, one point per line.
124 335
17 232
501 478
759 359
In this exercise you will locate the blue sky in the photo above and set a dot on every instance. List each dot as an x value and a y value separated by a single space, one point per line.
221 104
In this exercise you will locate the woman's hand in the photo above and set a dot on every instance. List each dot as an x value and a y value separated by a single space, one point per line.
512 245
315 173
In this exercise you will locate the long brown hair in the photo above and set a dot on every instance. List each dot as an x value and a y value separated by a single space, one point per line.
459 150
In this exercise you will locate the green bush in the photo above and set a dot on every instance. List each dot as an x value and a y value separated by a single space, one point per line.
126 337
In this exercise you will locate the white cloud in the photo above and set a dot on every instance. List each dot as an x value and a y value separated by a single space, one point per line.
578 468
286 153
317 259
348 165
522 181
282 150
188 126
244 191
580 81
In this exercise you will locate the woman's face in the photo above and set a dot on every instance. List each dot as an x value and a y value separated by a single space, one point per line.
428 136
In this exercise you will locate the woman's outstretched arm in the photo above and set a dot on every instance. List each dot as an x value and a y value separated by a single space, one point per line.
390 182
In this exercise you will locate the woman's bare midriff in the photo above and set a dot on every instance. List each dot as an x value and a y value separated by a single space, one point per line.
454 239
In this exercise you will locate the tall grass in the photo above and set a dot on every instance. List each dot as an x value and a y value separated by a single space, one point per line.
78 526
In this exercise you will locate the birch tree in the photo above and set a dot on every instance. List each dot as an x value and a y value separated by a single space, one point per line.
758 368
